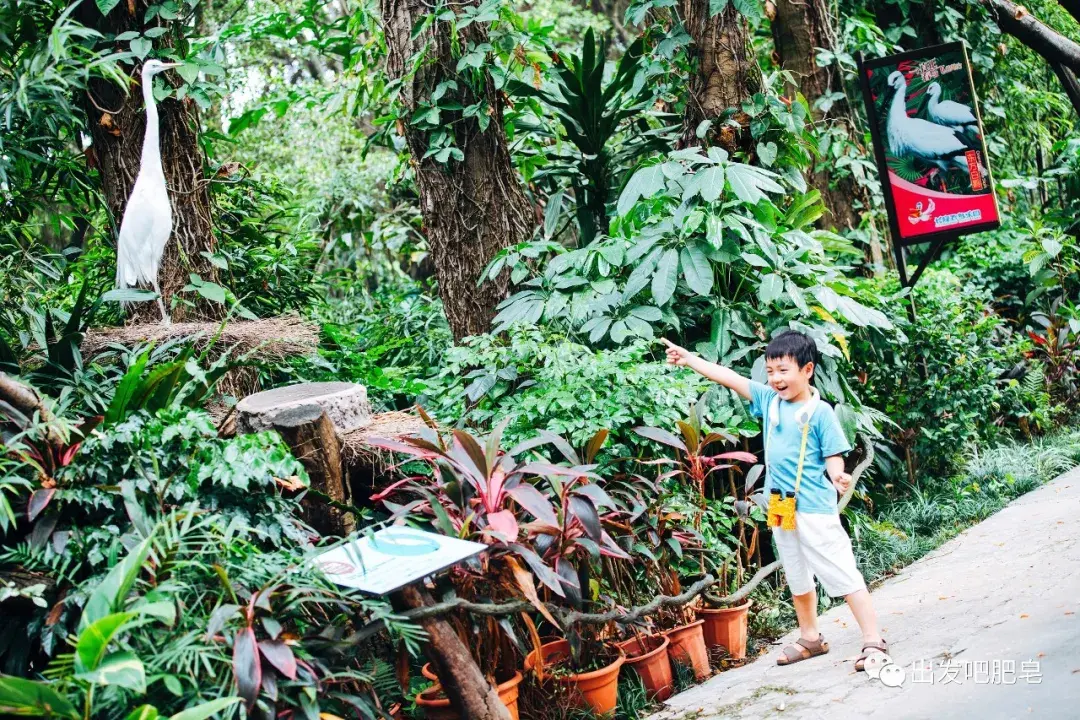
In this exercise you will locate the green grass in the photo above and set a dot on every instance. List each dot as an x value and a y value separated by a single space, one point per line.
905 530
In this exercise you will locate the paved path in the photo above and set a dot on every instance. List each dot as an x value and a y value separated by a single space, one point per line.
1001 594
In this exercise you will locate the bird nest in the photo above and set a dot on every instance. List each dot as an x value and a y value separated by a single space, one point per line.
393 425
277 337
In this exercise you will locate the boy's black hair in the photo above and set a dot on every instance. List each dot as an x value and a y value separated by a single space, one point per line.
792 344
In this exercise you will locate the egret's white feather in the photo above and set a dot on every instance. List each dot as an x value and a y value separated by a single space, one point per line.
148 221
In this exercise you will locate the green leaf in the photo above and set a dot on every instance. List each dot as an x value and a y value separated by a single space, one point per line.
128 295
716 7
206 709
118 407
27 698
144 712
645 183
697 269
189 72
772 285
121 669
106 6
125 36
750 183
211 291
1052 246
666 277
111 592
711 183
94 640
767 153
141 47
619 332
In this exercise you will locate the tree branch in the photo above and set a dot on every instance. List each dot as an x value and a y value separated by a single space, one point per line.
1069 83
1025 27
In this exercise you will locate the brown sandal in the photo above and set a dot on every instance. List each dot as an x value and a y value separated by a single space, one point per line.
803 650
882 647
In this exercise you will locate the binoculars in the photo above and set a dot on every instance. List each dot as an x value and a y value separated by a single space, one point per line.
781 510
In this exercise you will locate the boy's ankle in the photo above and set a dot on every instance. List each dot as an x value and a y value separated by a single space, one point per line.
809 635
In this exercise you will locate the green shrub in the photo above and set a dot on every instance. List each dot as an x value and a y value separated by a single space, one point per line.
541 380
389 341
944 387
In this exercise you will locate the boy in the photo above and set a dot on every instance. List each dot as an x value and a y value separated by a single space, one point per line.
818 545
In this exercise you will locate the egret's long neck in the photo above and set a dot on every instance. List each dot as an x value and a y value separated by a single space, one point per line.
898 109
151 149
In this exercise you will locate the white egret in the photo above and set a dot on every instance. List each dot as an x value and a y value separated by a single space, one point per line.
147 222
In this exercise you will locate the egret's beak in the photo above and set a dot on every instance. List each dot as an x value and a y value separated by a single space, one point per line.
168 66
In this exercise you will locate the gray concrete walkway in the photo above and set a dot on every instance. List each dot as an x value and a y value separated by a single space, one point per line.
994 614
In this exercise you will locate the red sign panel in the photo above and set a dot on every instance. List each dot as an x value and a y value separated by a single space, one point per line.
929 144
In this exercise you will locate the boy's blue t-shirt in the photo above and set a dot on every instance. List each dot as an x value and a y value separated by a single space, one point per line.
826 438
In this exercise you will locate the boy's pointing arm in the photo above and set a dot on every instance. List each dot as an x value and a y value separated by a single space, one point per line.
717 373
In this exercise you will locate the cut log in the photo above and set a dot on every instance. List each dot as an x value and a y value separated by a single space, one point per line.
465 686
346 405
312 418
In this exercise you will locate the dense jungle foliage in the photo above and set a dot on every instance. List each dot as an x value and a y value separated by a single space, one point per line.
490 212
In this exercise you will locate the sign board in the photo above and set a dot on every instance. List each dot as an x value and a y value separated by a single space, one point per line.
928 141
393 558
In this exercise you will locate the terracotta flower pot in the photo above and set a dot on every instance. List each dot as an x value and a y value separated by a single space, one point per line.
437 706
726 627
688 647
597 690
648 657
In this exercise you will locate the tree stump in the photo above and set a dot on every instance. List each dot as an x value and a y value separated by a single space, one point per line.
346 405
311 418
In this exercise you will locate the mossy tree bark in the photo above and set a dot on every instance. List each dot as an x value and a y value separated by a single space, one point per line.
725 74
799 28
472 207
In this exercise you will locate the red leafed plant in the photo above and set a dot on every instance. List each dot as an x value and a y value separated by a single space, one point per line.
551 518
256 663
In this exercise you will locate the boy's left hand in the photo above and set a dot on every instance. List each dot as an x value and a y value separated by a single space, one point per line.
842 482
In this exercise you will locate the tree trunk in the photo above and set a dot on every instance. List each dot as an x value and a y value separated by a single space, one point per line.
117 122
311 417
799 27
469 692
472 207
724 76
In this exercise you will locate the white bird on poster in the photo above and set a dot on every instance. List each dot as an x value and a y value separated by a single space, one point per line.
908 136
947 112
147 222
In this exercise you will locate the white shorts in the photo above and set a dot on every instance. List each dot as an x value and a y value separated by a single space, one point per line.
818 546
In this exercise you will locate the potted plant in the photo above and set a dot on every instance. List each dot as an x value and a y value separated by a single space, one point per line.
589 679
696 466
647 655
479 491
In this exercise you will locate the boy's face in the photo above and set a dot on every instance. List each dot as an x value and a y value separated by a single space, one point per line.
788 379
